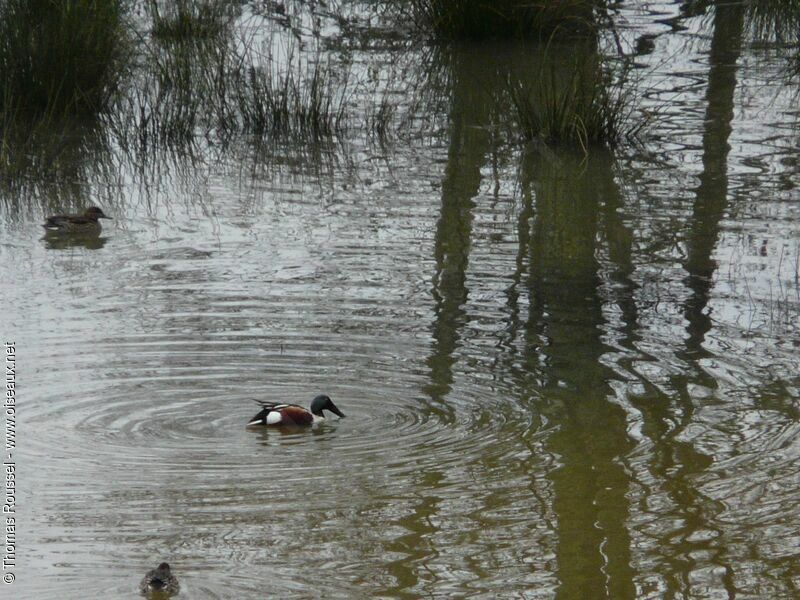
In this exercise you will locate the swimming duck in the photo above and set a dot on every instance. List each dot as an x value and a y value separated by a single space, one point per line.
274 414
159 582
85 223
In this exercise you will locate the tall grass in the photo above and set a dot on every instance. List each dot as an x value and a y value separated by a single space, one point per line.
576 99
164 103
503 19
50 159
776 22
60 56
225 87
285 98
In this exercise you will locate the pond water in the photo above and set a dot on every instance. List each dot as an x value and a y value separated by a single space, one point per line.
563 376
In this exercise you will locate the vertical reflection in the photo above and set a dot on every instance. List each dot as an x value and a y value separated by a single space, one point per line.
697 511
712 193
469 144
564 347
667 418
416 546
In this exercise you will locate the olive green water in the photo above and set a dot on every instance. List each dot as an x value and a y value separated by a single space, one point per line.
564 377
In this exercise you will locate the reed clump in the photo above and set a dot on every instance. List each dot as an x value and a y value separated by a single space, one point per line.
776 23
288 99
774 20
579 101
61 56
227 87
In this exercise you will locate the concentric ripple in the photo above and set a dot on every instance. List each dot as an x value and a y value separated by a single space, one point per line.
165 456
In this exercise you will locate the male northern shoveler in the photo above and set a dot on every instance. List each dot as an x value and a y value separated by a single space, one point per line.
86 223
274 414
159 582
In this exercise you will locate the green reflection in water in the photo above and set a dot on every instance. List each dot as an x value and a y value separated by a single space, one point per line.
469 144
563 331
569 205
680 462
416 544
557 269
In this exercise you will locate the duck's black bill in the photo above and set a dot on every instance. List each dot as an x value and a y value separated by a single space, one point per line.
336 411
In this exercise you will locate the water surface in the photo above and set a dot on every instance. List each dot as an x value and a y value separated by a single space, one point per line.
564 376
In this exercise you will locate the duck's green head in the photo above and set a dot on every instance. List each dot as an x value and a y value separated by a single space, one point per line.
323 402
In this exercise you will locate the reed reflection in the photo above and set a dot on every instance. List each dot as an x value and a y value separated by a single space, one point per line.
417 545
564 349
469 144
56 166
698 531
669 411
561 358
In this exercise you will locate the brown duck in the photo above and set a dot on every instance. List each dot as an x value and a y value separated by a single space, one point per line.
159 582
87 223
